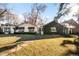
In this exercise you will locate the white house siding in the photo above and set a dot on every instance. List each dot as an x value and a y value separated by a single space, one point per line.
12 30
10 27
26 27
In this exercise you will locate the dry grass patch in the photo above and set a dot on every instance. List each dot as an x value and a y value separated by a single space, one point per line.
45 47
7 40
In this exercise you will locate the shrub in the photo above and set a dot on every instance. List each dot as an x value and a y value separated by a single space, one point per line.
1 32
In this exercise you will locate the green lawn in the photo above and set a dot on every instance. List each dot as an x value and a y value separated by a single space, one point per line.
46 47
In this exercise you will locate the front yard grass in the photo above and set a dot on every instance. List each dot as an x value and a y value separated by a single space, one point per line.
45 47
5 41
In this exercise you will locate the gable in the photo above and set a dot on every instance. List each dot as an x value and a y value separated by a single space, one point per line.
71 22
54 24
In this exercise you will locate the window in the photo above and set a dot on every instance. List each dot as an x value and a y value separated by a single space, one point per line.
20 29
53 29
6 29
31 29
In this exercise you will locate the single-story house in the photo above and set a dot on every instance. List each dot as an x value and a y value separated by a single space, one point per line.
26 27
67 27
54 28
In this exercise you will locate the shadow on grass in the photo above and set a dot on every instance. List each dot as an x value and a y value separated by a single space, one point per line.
37 37
25 37
70 52
9 46
28 37
6 48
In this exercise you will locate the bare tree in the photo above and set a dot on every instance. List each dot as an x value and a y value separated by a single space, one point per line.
34 17
3 9
5 13
25 16
7 16
77 16
63 9
13 19
36 11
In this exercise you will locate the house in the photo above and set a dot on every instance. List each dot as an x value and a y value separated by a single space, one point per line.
67 27
74 26
21 28
26 27
7 28
54 28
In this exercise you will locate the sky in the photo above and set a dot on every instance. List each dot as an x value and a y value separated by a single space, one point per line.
20 8
74 10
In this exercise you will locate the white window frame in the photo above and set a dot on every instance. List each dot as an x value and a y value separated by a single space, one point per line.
53 29
31 29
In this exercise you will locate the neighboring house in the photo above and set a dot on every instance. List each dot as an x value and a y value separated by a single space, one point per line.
53 28
21 28
67 27
26 27
72 25
7 28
